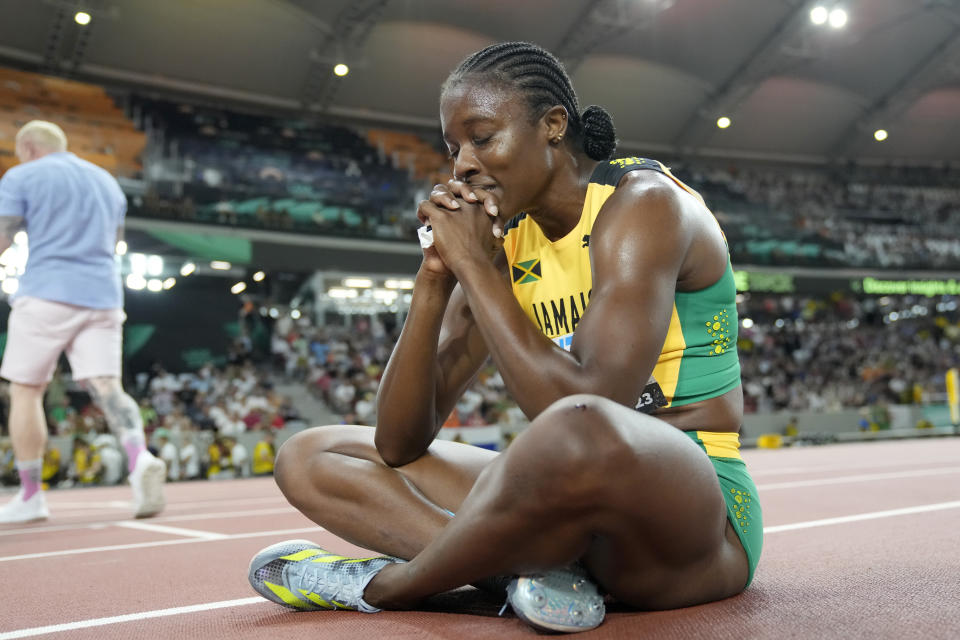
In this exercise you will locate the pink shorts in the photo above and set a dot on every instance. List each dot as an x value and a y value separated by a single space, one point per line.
40 330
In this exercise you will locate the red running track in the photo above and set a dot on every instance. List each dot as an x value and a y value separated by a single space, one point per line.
862 541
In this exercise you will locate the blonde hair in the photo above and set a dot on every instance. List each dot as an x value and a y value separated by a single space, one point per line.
44 135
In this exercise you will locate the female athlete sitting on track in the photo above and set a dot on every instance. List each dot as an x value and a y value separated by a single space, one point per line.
608 305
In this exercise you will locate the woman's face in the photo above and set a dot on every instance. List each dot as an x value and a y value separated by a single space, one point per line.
493 143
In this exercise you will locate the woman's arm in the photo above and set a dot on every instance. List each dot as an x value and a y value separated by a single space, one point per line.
638 246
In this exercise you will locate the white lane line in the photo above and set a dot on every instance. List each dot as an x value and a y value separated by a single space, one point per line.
81 507
826 522
927 464
175 531
107 523
226 514
867 477
86 506
129 617
158 543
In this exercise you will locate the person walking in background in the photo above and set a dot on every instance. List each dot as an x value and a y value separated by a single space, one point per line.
69 300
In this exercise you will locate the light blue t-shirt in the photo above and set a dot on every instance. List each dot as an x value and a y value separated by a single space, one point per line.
71 210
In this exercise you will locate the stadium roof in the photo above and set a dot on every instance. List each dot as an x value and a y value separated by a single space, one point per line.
665 69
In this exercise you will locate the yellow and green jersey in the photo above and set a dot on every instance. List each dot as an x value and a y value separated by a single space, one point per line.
552 281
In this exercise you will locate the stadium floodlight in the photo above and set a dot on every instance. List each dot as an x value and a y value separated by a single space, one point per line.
154 265
82 18
239 287
169 282
155 284
187 269
819 15
838 18
138 263
398 284
387 296
259 276
342 292
121 248
341 69
880 135
220 265
295 314
10 286
136 281
723 122
359 283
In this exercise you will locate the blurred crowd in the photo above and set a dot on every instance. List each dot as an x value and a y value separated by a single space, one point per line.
827 354
213 423
342 365
840 217
798 353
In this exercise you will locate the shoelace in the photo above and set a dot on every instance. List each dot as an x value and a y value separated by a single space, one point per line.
334 582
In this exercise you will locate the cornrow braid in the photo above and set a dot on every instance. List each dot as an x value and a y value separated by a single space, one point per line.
544 82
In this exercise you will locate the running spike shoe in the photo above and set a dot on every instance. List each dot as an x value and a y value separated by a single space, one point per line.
300 575
562 600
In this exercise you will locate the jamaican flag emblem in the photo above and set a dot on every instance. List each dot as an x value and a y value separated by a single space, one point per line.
526 271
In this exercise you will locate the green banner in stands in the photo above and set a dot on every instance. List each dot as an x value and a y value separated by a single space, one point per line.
209 246
232 329
135 336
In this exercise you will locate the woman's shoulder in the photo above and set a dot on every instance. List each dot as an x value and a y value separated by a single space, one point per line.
612 172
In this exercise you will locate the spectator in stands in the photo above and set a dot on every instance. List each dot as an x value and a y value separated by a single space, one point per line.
87 467
52 466
69 300
168 453
219 465
8 469
148 415
264 454
189 457
107 449
238 456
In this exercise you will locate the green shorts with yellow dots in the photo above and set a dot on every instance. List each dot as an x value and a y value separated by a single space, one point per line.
739 491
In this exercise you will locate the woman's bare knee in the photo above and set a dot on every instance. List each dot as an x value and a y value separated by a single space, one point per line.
300 462
580 432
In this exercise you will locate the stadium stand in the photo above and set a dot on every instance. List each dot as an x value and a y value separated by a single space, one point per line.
97 128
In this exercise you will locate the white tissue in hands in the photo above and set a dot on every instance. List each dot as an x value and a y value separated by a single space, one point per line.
425 233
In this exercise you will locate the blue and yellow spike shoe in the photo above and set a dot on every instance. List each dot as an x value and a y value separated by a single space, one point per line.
300 575
562 600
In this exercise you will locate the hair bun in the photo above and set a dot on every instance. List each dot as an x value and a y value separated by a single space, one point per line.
599 135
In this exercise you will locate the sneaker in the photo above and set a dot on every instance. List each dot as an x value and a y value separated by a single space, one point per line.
563 600
300 575
20 510
147 480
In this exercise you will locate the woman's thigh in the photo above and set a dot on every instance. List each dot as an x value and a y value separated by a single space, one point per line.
444 474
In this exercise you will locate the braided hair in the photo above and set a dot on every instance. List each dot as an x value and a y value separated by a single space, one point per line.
544 83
